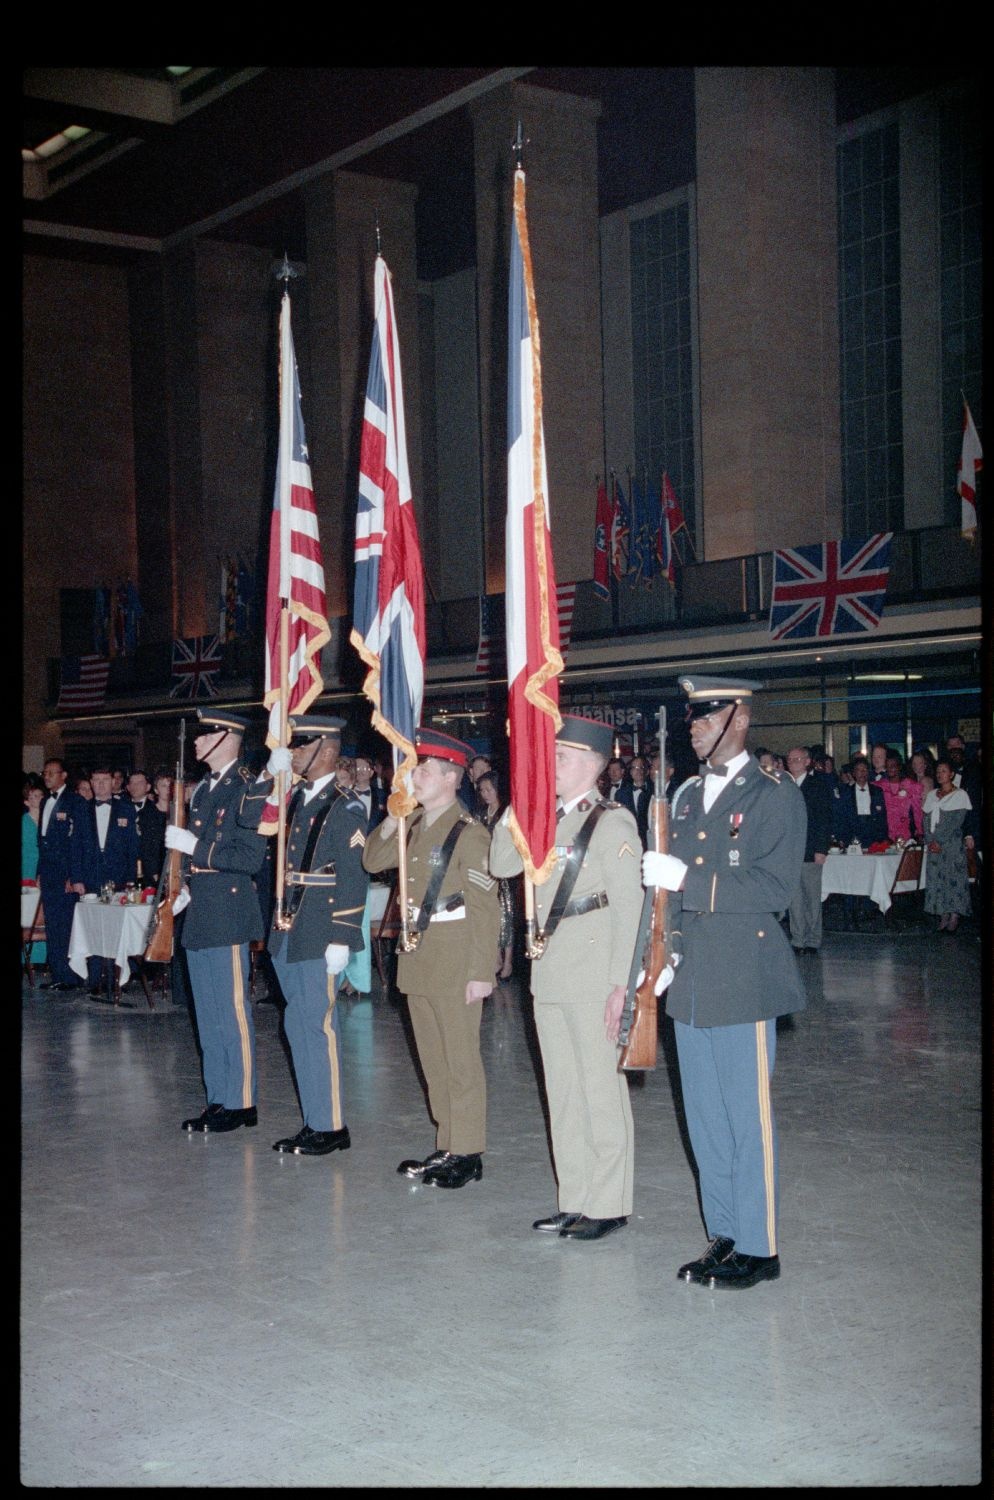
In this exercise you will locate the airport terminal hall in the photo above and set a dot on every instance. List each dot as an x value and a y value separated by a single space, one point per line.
505 730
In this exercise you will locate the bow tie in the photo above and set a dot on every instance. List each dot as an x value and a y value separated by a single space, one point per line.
704 769
103 801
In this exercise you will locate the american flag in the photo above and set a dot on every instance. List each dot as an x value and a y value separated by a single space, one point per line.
389 615
84 682
485 643
834 588
565 601
533 658
970 464
196 663
296 575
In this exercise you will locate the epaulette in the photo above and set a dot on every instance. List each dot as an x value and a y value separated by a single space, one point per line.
776 776
608 806
245 774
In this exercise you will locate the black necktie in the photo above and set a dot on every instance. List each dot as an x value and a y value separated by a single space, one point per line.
704 769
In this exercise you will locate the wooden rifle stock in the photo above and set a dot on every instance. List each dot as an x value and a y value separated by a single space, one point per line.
160 941
639 1031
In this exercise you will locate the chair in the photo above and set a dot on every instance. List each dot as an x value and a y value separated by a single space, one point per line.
909 869
33 933
386 930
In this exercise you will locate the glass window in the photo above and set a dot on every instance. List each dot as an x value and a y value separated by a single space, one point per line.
961 135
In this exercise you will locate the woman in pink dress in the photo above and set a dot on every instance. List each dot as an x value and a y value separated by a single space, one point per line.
902 798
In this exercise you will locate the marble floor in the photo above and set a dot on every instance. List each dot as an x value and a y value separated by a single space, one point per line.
198 1311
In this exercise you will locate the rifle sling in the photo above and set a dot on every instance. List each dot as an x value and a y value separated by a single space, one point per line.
569 877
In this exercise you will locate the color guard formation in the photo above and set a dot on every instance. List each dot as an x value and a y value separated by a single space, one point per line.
733 867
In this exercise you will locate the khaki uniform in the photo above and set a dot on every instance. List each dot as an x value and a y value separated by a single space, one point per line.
587 956
454 950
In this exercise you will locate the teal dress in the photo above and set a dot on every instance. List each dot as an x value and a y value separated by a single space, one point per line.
29 871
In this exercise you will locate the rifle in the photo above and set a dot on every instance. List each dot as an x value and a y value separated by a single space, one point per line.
160 937
638 1034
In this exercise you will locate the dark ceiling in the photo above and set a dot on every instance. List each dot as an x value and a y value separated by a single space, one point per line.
228 151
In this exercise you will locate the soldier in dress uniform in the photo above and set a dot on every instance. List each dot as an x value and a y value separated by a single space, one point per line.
222 918
451 971
737 836
579 985
325 894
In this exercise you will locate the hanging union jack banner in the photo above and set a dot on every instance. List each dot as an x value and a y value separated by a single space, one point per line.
834 588
196 662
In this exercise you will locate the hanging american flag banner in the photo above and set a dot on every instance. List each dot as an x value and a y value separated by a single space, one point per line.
84 682
389 615
970 464
565 603
484 647
196 663
533 658
834 588
296 574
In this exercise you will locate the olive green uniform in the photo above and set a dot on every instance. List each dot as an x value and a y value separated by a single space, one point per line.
455 948
587 956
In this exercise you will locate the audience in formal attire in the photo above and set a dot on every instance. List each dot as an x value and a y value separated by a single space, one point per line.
61 813
805 909
151 824
635 793
923 771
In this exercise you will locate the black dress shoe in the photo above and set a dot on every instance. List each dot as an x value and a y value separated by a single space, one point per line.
230 1119
715 1253
413 1168
59 987
583 1228
308 1142
200 1123
455 1172
743 1270
556 1223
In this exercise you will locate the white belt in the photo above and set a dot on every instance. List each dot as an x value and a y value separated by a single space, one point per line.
441 916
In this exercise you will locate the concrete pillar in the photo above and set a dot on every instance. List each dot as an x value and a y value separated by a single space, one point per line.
342 213
769 349
925 485
561 166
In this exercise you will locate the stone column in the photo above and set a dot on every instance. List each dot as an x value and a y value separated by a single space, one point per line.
767 268
342 213
560 163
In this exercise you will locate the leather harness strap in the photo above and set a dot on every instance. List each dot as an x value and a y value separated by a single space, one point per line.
561 900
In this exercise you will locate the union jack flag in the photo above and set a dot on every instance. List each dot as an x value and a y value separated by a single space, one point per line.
389 613
196 662
296 573
834 588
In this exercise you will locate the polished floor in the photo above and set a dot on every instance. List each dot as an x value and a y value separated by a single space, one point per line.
198 1311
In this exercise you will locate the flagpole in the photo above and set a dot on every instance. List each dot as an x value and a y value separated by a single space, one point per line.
281 778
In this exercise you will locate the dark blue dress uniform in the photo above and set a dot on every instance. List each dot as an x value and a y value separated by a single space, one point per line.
54 846
223 917
738 973
117 861
332 897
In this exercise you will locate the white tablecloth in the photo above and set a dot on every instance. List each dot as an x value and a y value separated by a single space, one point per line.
864 875
114 931
30 896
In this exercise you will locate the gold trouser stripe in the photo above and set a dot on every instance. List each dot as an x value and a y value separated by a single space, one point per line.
238 991
336 1082
766 1129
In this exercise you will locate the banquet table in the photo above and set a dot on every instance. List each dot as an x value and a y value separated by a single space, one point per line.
866 875
109 930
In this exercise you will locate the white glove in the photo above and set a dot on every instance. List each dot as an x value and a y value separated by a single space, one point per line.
662 983
180 838
663 869
182 901
280 759
336 956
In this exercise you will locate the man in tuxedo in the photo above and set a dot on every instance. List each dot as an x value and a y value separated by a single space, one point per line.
151 824
859 812
58 824
106 850
372 797
805 909
635 793
614 776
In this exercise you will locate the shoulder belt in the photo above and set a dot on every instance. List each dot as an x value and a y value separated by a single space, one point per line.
576 857
438 873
